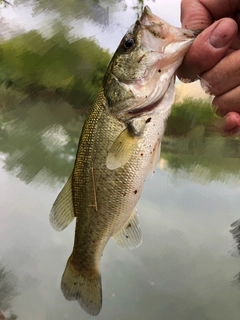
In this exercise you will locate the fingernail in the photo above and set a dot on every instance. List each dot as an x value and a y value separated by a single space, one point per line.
222 34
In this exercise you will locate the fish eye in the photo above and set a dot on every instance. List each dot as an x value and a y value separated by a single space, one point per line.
128 43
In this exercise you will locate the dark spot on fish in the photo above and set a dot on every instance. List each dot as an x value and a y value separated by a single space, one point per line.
127 237
159 70
129 225
146 97
148 120
141 154
75 283
140 59
135 191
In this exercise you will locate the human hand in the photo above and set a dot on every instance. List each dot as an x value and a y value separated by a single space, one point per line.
215 56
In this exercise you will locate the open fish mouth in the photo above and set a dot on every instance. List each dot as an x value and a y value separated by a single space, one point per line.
157 30
165 48
144 65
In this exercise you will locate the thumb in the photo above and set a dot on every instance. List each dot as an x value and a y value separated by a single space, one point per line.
208 48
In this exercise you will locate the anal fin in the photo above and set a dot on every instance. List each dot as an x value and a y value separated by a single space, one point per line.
62 212
130 235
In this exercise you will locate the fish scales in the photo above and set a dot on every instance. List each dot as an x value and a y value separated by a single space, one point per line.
115 190
119 145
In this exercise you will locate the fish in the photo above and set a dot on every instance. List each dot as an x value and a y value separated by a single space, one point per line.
119 144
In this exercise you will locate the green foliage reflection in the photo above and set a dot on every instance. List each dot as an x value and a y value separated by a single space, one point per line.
53 67
47 86
95 10
193 142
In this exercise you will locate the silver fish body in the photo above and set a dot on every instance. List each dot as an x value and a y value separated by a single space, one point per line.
119 145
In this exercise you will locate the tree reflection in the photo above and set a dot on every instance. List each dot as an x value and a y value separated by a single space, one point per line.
235 231
34 142
7 292
39 140
193 142
47 89
48 85
96 10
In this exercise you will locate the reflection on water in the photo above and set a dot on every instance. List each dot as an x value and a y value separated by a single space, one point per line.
39 142
7 292
188 266
185 267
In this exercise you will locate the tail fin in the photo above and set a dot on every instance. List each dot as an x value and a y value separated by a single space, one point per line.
87 291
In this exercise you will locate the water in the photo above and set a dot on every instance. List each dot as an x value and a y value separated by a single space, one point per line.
188 265
185 269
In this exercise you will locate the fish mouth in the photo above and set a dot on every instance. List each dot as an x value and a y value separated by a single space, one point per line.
157 31
170 43
158 50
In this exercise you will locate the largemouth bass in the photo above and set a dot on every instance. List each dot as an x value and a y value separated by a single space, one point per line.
119 145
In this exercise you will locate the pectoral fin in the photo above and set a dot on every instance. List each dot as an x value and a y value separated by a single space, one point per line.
62 212
130 235
121 150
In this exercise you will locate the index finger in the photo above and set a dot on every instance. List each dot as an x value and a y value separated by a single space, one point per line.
208 49
195 16
199 14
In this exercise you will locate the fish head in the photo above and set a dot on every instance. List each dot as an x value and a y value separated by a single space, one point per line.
144 64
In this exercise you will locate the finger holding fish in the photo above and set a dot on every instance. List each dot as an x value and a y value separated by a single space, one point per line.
208 49
231 124
223 83
214 54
